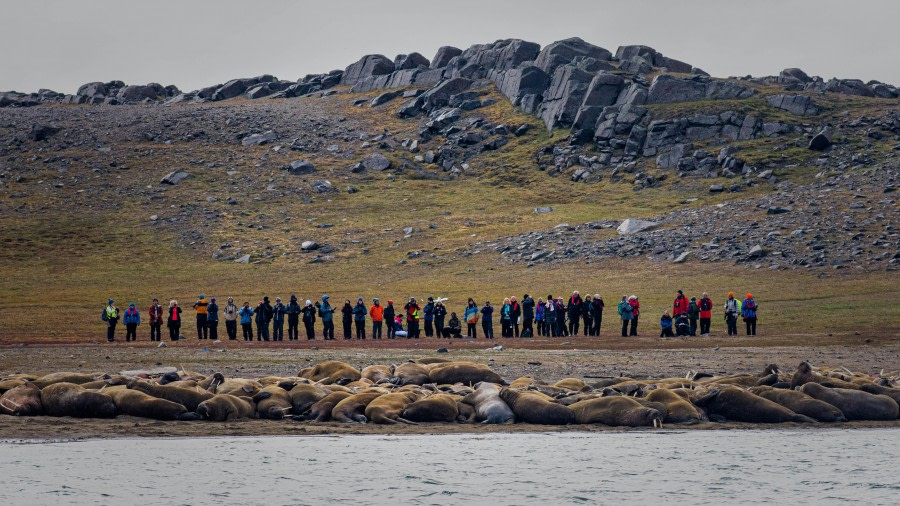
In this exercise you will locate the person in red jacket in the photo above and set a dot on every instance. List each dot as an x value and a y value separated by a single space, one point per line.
156 319
680 305
635 312
706 306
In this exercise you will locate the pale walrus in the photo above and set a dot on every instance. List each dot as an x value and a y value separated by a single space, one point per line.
855 404
411 374
137 403
466 373
532 407
331 371
69 399
187 397
801 403
739 405
489 407
352 409
321 410
225 407
678 410
618 411
573 384
22 400
388 408
435 408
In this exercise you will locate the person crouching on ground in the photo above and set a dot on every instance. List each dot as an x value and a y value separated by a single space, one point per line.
666 323
454 327
132 319
212 319
682 327
174 322
156 316
246 313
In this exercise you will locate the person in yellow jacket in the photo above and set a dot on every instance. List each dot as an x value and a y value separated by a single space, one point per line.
200 307
111 317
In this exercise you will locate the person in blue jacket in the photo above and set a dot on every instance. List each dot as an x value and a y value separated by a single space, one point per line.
486 323
246 314
132 318
748 310
666 323
326 313
359 318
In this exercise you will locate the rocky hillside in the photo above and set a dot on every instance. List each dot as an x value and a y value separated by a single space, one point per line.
784 172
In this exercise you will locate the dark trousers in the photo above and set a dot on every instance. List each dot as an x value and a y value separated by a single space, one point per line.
541 327
213 329
412 329
202 331
573 325
360 329
731 322
262 331
515 325
666 332
429 328
328 329
527 328
248 331
278 330
347 324
155 331
471 330
595 325
704 325
376 330
292 328
634 322
625 327
310 330
693 326
587 325
111 330
552 329
131 332
751 326
505 328
488 329
231 329
391 328
174 330
561 329
439 327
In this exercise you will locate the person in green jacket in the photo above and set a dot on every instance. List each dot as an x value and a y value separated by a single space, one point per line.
693 315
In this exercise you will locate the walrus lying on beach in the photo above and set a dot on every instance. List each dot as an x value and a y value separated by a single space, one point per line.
67 377
411 374
736 404
678 409
331 371
489 407
855 404
273 402
434 408
378 373
22 400
617 411
69 399
801 403
321 410
467 373
388 408
187 397
533 407
137 403
225 407
353 408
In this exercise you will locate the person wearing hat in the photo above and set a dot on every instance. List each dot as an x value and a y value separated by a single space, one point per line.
680 305
706 306
428 311
174 320
413 312
131 319
262 322
693 314
635 314
347 319
487 325
596 309
561 311
231 314
293 317
470 315
539 309
440 313
326 313
359 318
574 312
515 313
200 307
626 312
506 319
732 309
376 312
111 317
550 316
246 313
278 312
156 316
749 309
666 324
389 315
309 320
212 319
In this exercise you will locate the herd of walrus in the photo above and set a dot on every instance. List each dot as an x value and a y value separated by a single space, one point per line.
437 390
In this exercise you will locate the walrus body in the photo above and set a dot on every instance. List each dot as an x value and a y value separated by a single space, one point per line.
137 403
435 408
187 397
678 410
22 400
738 405
321 410
467 373
805 374
872 388
618 411
225 407
801 403
303 396
378 373
522 382
332 371
273 402
67 377
855 404
573 384
388 408
411 374
353 408
531 407
69 399
489 407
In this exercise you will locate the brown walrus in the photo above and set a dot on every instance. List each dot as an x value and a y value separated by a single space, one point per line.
617 411
739 405
22 400
467 373
303 396
69 399
855 404
331 371
805 374
678 410
872 388
532 407
378 373
321 410
489 407
431 360
409 373
801 403
573 384
273 402
434 408
187 397
388 408
352 409
523 382
137 403
67 377
225 407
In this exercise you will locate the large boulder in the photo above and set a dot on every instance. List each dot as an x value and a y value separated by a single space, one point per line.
518 82
628 52
377 162
367 66
800 105
499 55
565 51
849 87
301 167
136 93
821 141
410 61
42 132
440 95
564 97
92 90
667 88
444 55
174 177
258 139
635 225
793 75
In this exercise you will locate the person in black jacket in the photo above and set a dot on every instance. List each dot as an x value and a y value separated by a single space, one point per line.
347 318
527 316
309 320
278 312
440 313
212 319
515 312
596 314
574 312
359 318
389 315
586 314
262 323
428 312
293 317
174 322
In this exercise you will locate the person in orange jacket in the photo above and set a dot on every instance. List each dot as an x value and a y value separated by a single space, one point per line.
376 312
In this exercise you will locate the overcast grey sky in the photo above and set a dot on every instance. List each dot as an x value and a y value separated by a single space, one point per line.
61 44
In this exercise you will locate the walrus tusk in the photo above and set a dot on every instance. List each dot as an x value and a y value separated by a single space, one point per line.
101 388
408 422
11 402
848 370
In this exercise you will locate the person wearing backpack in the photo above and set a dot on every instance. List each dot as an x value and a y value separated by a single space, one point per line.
428 311
693 313
156 316
200 307
231 313
470 315
359 318
293 317
212 319
626 312
132 319
732 310
749 309
174 322
111 317
278 312
247 321
309 320
706 306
